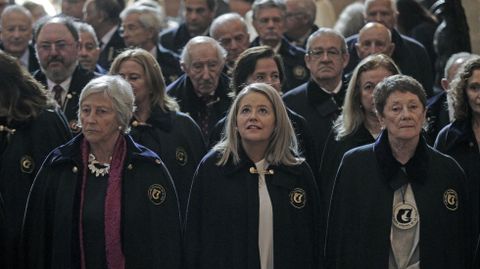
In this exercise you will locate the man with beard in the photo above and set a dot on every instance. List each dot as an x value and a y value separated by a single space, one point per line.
202 91
57 45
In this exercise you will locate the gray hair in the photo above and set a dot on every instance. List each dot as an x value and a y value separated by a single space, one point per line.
226 18
185 56
455 57
260 4
283 146
150 17
84 27
16 9
120 93
308 7
324 31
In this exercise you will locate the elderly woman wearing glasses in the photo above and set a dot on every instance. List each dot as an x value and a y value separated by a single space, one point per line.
101 200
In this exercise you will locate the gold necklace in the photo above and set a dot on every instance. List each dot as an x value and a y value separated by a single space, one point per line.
97 168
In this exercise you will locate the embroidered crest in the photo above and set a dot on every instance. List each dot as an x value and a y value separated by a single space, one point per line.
299 72
450 199
181 156
27 164
298 198
157 194
404 216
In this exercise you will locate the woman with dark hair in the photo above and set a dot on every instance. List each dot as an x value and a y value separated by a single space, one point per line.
102 200
398 203
262 64
30 127
254 203
461 138
157 122
358 124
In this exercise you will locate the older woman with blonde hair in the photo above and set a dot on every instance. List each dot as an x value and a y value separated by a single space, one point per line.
157 122
251 193
102 200
358 124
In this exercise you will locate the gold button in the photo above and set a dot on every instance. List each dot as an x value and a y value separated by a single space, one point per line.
158 161
130 167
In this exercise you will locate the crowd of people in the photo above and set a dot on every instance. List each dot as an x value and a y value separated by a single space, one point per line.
238 135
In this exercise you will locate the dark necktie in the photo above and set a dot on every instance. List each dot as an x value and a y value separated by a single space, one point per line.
57 90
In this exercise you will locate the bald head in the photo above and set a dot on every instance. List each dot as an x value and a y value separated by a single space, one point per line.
231 31
374 38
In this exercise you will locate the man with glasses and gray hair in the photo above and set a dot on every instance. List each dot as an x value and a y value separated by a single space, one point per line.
320 100
57 46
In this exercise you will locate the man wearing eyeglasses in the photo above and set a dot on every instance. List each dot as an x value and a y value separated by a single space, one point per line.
202 92
57 51
269 22
320 100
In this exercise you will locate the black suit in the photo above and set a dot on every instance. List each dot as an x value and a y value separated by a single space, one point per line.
114 47
80 78
32 58
169 63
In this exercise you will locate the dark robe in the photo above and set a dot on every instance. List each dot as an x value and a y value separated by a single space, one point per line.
437 115
296 72
150 219
360 216
169 64
319 109
177 139
21 155
80 78
458 140
223 215
182 90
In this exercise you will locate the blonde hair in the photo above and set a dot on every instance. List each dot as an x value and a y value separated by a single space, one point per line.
153 77
283 146
353 114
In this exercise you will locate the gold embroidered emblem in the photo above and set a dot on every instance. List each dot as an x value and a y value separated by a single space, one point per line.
181 156
450 199
298 198
157 194
27 164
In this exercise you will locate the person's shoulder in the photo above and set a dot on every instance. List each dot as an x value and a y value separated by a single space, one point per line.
297 92
359 153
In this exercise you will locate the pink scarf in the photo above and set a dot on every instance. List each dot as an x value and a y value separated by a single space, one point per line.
113 206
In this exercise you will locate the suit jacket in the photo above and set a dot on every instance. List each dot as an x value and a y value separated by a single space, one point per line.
33 64
80 78
175 39
410 56
114 47
296 72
